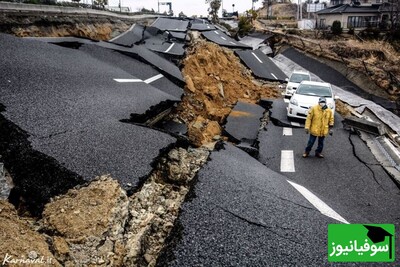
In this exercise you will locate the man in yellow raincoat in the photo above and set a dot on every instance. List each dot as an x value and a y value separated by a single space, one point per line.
319 123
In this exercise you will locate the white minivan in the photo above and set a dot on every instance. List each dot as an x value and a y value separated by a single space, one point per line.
295 79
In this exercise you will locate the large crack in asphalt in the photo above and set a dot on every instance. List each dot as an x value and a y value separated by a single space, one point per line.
260 224
36 176
366 164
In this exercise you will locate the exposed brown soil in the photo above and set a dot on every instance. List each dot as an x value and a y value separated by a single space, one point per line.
34 25
215 80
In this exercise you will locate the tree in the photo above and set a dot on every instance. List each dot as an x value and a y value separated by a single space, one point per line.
182 15
213 9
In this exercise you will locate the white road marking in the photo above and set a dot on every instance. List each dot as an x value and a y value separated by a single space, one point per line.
285 99
233 43
287 131
274 76
223 38
216 32
287 161
152 79
119 36
295 124
169 48
128 80
318 203
257 57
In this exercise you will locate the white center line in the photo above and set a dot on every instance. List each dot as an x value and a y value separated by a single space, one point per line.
128 80
169 48
274 76
257 57
295 124
233 43
223 38
287 161
285 99
318 203
152 79
287 131
216 32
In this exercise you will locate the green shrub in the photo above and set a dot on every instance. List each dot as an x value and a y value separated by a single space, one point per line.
336 27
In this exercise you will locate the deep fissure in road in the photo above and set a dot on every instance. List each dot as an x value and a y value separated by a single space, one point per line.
36 176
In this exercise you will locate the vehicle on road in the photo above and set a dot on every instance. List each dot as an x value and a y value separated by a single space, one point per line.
307 95
294 81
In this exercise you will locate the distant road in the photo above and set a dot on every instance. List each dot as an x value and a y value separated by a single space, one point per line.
8 6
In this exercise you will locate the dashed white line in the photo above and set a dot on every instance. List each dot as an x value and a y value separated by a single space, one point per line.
152 79
233 43
295 124
169 48
128 80
223 38
287 161
257 57
274 76
318 203
287 131
216 32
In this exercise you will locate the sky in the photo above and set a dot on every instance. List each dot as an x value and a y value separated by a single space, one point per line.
188 7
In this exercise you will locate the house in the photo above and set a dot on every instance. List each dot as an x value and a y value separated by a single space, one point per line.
354 14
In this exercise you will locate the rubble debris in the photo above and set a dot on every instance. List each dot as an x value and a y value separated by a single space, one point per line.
215 81
19 244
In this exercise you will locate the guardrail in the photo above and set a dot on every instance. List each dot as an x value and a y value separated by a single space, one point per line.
20 7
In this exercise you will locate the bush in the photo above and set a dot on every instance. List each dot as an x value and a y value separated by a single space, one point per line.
244 25
336 27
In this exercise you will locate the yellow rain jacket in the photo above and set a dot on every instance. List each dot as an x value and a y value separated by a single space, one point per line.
319 120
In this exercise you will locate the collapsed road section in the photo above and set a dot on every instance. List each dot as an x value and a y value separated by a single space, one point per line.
69 128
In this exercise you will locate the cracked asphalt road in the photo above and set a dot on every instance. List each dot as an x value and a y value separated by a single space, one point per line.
70 106
244 214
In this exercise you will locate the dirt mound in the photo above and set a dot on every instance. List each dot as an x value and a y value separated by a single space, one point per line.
215 80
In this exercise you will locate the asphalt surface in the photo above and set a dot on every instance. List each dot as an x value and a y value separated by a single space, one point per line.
139 52
69 105
169 24
220 38
152 38
134 67
244 214
349 179
243 123
261 65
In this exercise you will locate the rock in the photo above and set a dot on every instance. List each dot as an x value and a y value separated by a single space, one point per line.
221 90
189 84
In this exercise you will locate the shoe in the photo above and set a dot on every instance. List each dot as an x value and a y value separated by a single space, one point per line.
319 155
305 154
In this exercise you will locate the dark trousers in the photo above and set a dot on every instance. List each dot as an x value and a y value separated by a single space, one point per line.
311 142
